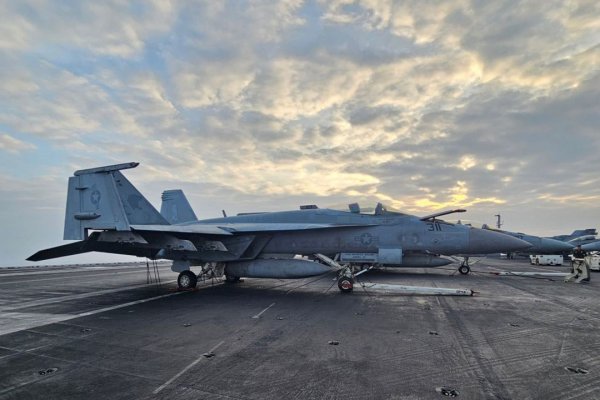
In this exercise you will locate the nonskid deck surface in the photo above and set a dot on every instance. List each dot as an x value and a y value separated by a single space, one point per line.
79 333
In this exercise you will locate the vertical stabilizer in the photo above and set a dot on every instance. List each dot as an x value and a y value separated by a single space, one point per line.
175 207
102 198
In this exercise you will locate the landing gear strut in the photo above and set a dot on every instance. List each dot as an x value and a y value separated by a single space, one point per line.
464 266
187 280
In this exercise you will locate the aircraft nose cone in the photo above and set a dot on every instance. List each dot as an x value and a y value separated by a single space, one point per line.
555 246
594 246
482 241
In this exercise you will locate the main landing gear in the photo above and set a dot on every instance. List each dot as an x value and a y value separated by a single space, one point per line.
464 266
187 280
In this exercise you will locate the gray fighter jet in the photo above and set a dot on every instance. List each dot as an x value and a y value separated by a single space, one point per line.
576 233
539 245
106 213
587 242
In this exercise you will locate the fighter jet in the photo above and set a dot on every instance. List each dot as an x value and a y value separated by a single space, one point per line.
587 242
576 233
539 245
106 213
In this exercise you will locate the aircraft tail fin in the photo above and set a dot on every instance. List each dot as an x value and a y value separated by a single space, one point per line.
102 198
175 207
584 232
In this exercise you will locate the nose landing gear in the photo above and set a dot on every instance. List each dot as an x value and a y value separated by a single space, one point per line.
345 283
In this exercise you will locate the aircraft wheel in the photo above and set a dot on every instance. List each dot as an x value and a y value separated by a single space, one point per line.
231 278
187 280
464 269
346 284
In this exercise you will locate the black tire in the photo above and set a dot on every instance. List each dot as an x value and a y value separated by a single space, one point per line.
187 280
464 269
537 261
345 284
231 278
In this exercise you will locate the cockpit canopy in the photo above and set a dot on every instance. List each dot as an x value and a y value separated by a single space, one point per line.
380 209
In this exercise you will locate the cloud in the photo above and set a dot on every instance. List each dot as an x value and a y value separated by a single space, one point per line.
265 105
456 196
14 145
108 28
467 162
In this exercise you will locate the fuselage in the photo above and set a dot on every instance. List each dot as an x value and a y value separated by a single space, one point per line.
366 233
577 233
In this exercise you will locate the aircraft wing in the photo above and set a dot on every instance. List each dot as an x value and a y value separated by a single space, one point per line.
230 229
235 239
199 229
281 227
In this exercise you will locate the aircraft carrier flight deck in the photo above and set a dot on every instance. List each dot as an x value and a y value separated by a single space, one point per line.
103 331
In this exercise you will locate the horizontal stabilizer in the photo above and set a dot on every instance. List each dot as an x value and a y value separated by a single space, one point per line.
98 242
61 251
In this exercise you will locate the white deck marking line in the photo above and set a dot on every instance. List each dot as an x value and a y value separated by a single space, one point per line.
70 362
67 277
56 319
263 311
82 268
43 302
167 383
67 317
131 303
8 355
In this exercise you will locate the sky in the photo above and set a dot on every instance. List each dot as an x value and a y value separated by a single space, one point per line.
266 105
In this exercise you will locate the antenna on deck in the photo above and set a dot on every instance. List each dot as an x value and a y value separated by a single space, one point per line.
499 222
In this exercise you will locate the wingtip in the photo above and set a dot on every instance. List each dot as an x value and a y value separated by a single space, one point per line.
33 257
106 168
